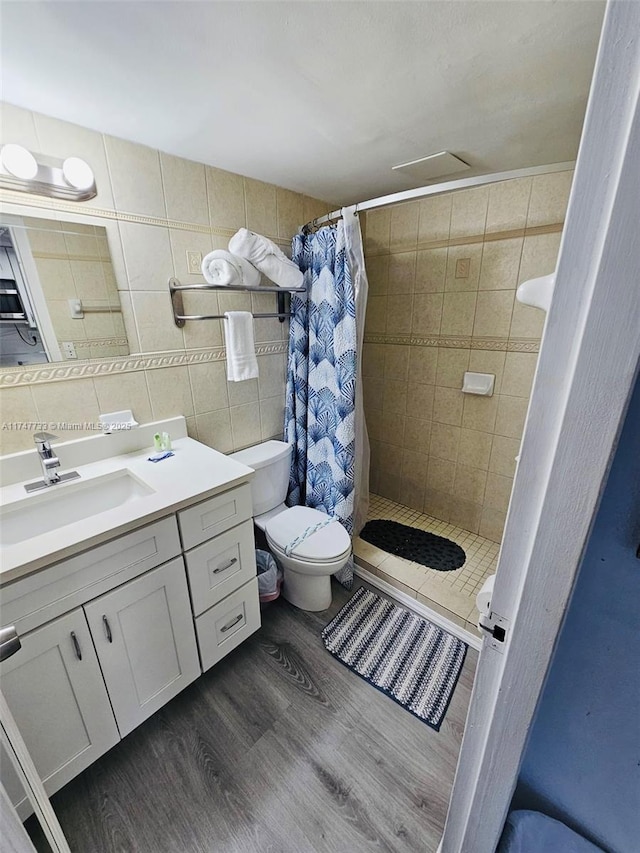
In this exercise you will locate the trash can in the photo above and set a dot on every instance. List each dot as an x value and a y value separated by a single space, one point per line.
269 576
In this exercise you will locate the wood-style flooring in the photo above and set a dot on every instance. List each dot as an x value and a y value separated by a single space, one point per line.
277 749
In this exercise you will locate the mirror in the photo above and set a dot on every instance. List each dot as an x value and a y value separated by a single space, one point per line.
58 293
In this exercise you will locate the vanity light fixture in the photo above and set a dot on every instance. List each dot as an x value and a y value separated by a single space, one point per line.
71 179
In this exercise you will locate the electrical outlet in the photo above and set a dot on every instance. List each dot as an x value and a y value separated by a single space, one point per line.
68 349
463 267
194 262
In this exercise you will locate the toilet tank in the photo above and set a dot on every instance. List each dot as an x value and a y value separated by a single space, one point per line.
271 461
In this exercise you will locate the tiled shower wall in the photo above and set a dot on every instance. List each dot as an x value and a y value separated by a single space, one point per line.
155 208
443 273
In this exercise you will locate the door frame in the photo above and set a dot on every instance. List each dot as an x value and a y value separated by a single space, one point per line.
586 371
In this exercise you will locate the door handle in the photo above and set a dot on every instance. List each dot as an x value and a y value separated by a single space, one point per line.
225 566
230 625
107 629
76 645
9 642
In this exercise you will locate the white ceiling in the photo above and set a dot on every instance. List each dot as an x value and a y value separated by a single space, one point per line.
321 97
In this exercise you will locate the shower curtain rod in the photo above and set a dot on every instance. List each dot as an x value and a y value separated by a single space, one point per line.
447 186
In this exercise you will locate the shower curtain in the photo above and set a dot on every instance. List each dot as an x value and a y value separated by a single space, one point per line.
324 415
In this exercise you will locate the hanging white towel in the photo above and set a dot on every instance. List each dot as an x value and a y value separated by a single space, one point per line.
223 268
241 349
267 257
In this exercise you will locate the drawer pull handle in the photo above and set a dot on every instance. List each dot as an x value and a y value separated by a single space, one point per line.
230 625
225 566
107 629
76 645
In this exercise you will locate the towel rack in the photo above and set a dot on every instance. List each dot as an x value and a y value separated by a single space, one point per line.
175 290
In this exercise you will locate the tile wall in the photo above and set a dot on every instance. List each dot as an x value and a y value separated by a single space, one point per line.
155 208
442 278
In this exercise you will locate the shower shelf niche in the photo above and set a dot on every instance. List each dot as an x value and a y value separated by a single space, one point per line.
179 317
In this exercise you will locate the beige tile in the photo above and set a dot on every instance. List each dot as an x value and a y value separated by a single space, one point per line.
463 267
452 364
17 125
376 318
401 587
378 274
492 524
214 430
434 218
245 425
431 268
443 611
395 397
183 242
403 571
458 312
373 356
135 177
526 321
469 212
89 280
488 361
396 362
510 419
314 207
414 466
445 441
539 255
185 189
498 491
368 552
479 413
519 370
469 484
373 393
508 205
124 391
170 392
417 434
378 225
503 455
475 448
260 199
373 419
63 139
209 386
129 321
446 596
549 197
404 227
420 401
427 314
447 406
493 313
390 461
56 278
234 301
422 364
271 381
202 333
437 504
46 240
390 486
402 271
242 392
147 255
65 326
399 316
441 475
501 264
290 209
18 411
100 325
154 319
272 417
225 192
413 493
465 513
73 403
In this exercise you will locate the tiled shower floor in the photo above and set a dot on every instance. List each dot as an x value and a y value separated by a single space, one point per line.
451 594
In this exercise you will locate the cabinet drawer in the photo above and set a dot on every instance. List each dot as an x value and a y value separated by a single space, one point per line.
220 566
213 516
41 596
226 625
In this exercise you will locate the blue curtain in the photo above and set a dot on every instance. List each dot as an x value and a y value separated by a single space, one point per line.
321 380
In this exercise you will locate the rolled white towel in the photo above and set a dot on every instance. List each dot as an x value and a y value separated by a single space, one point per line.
267 257
223 268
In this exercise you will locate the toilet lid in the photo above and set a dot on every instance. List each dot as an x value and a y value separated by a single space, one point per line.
326 544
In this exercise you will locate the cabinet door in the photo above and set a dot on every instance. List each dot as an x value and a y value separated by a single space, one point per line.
144 636
55 691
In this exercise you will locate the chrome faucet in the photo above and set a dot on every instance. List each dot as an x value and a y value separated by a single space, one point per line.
48 459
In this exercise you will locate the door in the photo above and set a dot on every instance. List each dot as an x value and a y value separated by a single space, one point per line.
144 636
55 691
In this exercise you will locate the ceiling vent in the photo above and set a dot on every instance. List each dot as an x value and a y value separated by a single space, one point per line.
434 166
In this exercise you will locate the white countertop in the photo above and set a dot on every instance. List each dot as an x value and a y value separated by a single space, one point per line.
194 473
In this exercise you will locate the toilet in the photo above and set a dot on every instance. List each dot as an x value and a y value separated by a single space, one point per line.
309 545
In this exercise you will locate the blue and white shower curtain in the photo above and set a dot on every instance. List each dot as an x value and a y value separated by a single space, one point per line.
322 380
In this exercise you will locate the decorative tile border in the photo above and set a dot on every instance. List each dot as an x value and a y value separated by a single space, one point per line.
62 372
101 342
494 344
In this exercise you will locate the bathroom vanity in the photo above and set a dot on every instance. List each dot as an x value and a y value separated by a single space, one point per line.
119 611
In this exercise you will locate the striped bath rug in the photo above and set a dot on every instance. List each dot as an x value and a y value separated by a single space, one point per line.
414 662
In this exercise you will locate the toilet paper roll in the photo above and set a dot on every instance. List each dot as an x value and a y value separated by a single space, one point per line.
483 598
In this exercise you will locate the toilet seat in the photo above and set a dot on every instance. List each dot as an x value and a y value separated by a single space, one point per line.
327 545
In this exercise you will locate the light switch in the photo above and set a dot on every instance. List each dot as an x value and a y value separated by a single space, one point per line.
463 267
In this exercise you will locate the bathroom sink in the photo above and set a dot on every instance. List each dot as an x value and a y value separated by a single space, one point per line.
65 504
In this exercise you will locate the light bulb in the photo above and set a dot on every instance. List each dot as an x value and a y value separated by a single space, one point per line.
18 161
77 173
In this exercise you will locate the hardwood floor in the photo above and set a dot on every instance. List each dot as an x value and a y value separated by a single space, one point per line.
278 749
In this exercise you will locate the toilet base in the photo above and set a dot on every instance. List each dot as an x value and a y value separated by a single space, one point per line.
308 592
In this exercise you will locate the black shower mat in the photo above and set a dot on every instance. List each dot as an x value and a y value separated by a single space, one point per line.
430 550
